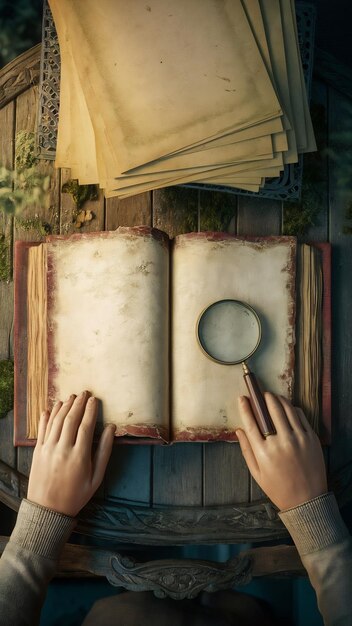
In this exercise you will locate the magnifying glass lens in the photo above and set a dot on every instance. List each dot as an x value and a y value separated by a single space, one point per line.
229 331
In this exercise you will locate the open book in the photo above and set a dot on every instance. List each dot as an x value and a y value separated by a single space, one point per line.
115 312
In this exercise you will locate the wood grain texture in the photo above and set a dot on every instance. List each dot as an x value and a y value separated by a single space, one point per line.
26 114
134 211
340 197
7 125
315 166
177 474
20 74
69 210
217 211
26 111
78 561
226 477
258 216
7 135
176 210
128 474
6 320
8 453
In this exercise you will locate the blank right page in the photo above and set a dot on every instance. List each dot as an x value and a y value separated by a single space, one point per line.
207 267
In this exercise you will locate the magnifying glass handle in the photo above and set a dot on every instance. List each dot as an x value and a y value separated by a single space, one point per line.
258 404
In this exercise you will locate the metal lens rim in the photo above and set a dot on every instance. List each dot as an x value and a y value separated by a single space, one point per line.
245 306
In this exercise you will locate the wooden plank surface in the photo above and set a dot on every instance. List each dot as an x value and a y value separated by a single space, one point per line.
315 166
340 198
128 474
20 74
69 209
258 216
134 211
176 210
24 229
7 125
8 453
7 129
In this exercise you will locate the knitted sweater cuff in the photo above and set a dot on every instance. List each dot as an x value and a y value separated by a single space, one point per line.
41 530
315 524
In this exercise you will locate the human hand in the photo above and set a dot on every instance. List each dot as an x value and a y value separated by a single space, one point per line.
288 466
64 476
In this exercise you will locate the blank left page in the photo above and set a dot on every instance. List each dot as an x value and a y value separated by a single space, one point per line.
108 325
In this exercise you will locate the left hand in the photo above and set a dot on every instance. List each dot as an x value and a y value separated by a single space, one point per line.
64 476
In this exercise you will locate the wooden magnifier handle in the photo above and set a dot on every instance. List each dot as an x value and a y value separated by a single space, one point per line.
258 403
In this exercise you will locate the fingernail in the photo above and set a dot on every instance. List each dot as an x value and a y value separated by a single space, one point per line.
91 399
111 426
69 398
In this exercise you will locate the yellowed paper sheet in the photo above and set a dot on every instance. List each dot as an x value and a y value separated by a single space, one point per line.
273 28
115 73
270 127
293 74
260 274
110 316
254 16
76 147
270 172
276 161
231 153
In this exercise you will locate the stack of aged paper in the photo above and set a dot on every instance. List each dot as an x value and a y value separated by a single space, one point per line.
163 92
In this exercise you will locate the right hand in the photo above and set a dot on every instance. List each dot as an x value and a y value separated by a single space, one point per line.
288 466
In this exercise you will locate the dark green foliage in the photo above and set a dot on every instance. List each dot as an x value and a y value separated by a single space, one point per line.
6 387
80 193
25 185
20 27
216 210
5 268
25 157
299 217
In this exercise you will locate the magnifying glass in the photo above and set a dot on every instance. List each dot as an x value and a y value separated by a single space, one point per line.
229 332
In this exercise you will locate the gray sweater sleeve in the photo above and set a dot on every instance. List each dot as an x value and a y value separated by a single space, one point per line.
325 547
29 562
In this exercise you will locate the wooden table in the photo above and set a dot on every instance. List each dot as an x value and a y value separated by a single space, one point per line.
190 493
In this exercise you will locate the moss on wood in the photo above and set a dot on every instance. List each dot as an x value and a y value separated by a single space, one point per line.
300 216
25 185
80 193
25 157
5 267
216 210
6 387
34 223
